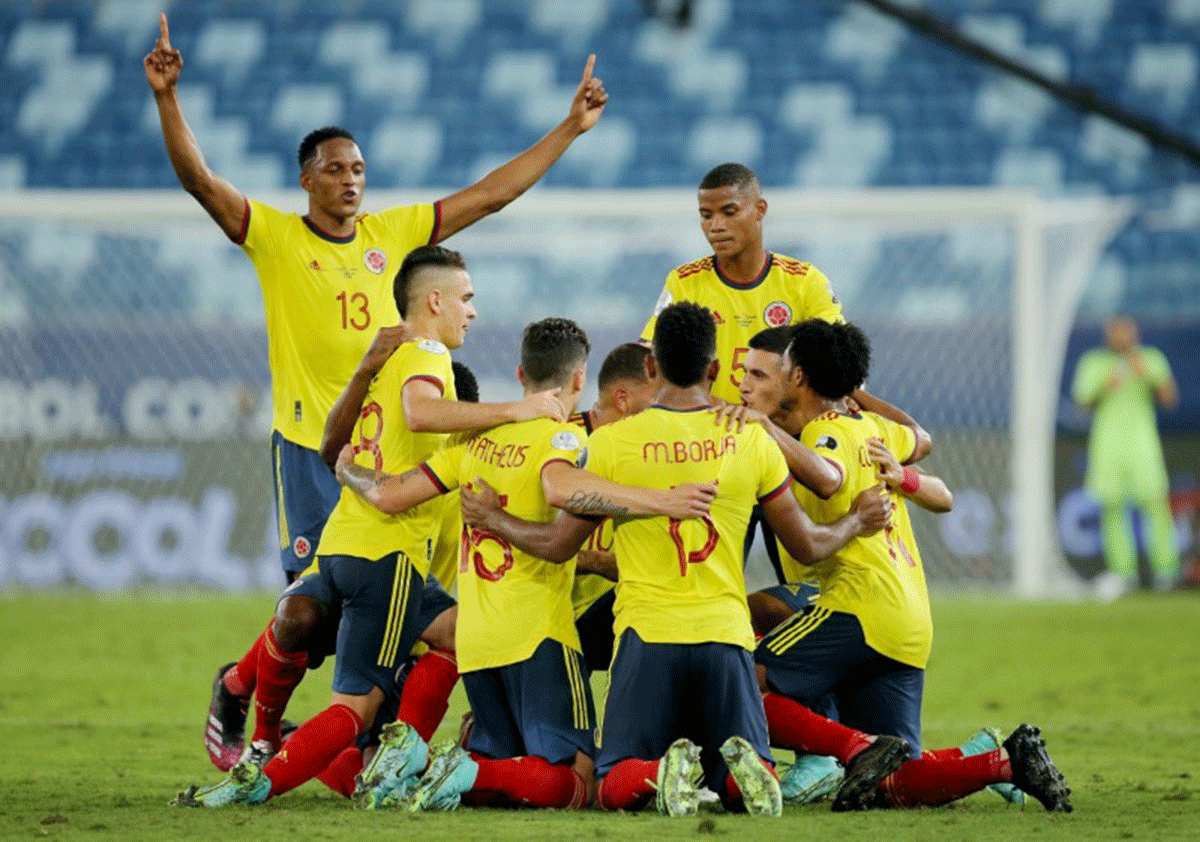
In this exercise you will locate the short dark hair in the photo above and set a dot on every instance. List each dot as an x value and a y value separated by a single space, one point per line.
773 340
685 339
550 350
835 358
624 362
730 175
308 146
413 262
466 387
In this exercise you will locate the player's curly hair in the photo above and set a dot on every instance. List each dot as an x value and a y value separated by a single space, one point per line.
624 362
308 146
551 350
773 340
466 387
835 358
730 175
685 341
414 261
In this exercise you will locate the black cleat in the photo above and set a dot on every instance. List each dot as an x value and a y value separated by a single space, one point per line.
225 728
866 770
1034 773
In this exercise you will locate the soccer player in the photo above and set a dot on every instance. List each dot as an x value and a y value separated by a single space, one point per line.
372 564
326 279
532 741
867 637
683 702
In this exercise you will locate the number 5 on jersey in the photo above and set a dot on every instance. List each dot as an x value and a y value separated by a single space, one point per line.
689 556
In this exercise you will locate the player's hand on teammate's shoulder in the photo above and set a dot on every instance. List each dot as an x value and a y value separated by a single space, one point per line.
164 62
735 416
690 500
478 501
541 405
590 98
874 509
890 470
385 343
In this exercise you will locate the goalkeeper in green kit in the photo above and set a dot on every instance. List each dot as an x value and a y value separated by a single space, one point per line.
1119 385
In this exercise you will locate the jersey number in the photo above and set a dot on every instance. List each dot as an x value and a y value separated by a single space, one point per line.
370 443
687 556
738 364
471 554
355 312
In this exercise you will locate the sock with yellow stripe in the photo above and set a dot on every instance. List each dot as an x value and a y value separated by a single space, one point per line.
312 748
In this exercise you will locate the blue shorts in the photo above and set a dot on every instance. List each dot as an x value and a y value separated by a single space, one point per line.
595 627
323 639
819 651
306 491
541 706
797 596
660 692
381 617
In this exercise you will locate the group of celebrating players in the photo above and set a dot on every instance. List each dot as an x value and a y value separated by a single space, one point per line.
612 538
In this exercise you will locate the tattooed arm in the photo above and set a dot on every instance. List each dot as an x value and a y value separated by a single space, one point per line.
584 493
390 493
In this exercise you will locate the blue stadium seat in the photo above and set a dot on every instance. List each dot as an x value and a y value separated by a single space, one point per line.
231 47
1164 71
402 152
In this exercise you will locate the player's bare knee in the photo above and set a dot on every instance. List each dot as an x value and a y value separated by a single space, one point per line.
761 672
295 618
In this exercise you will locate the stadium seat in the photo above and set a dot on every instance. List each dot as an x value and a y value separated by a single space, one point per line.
512 74
570 22
845 153
865 41
1086 18
404 149
398 82
602 156
1039 169
61 104
723 138
42 43
12 172
131 25
715 80
1012 108
299 108
1119 148
805 105
230 47
353 43
1165 70
1185 12
445 22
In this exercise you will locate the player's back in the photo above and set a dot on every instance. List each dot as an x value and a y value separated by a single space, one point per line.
876 577
682 581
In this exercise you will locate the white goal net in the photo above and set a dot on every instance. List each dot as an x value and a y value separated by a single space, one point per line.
134 403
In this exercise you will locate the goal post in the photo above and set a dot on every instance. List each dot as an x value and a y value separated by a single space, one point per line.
134 402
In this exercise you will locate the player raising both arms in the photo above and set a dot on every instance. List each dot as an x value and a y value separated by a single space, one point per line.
683 702
326 284
866 638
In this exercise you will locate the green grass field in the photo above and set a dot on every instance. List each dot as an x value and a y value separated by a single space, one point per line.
102 705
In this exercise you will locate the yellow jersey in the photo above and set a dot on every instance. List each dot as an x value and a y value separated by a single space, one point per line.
383 442
682 581
878 578
589 587
785 292
509 601
325 298
444 564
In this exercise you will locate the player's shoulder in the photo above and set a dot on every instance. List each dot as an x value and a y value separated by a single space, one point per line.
831 430
790 267
694 268
263 214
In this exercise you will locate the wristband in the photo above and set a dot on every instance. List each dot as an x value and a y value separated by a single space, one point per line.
912 481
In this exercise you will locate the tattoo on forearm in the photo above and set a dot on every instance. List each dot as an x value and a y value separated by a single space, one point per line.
591 503
361 480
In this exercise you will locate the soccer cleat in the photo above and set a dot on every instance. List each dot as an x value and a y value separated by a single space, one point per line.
981 742
258 753
866 770
760 789
393 771
1034 771
812 778
451 773
225 730
246 784
679 774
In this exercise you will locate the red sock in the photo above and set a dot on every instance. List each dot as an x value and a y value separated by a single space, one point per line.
946 753
279 673
530 782
241 678
629 785
339 775
792 725
312 748
426 694
733 792
930 781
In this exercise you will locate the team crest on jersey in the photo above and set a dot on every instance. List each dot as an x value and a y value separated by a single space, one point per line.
565 440
778 314
827 442
432 346
301 547
663 301
375 260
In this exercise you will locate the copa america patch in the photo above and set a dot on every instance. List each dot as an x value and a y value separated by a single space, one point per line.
432 346
565 440
827 442
778 314
301 547
375 260
663 301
